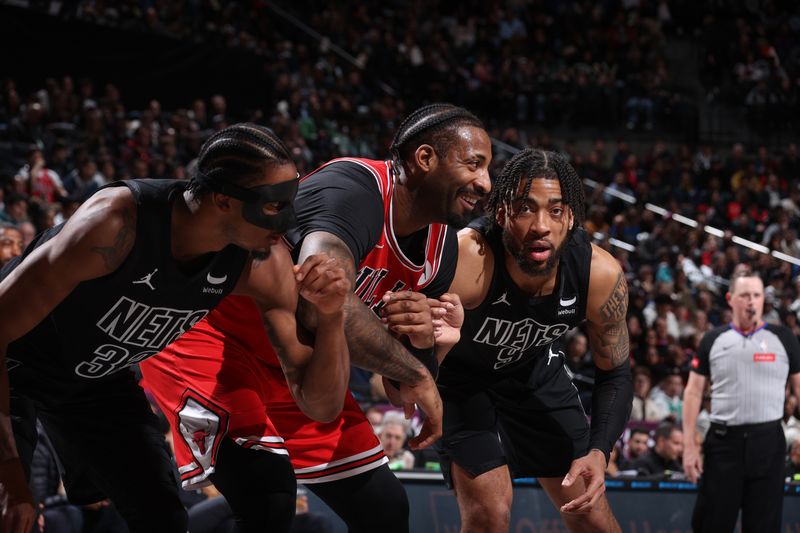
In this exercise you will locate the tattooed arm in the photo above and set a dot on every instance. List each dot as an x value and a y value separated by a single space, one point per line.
317 367
608 337
612 396
372 347
93 243
606 312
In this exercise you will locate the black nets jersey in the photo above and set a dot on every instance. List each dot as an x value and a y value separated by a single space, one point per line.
112 322
509 329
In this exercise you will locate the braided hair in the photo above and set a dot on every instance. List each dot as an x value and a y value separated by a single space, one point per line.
529 164
433 124
239 154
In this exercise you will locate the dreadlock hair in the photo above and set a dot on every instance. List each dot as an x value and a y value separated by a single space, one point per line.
239 154
433 124
529 164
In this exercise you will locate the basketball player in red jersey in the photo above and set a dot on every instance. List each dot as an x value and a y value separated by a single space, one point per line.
387 221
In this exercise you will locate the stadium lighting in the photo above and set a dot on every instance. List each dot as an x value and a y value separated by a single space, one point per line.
684 220
750 244
621 244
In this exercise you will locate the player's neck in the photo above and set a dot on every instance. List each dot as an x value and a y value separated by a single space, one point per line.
532 285
192 232
408 212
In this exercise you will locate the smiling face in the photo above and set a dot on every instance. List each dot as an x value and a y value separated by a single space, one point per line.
536 225
460 178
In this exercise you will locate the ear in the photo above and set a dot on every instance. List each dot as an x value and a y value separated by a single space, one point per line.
500 217
223 202
425 157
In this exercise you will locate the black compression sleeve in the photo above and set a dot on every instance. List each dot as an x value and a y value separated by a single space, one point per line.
427 356
343 199
612 398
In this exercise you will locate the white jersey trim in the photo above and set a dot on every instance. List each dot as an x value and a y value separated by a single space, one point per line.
344 473
332 464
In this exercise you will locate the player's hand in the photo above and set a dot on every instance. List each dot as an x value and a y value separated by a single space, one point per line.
448 317
20 514
392 392
396 399
692 462
592 468
322 281
408 313
426 396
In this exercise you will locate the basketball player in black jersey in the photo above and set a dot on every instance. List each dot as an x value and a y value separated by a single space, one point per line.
527 273
137 265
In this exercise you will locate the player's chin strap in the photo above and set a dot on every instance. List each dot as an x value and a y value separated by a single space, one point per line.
612 399
255 199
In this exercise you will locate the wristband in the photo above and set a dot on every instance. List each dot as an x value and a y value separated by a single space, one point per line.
426 356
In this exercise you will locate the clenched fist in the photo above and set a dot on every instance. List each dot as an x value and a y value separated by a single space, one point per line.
322 282
408 313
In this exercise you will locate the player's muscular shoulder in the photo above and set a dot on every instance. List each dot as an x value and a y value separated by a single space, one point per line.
328 243
475 268
102 231
608 290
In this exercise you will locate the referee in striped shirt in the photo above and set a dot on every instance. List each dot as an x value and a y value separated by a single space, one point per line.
748 363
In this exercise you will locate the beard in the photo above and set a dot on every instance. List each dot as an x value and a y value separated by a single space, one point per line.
461 220
458 221
530 267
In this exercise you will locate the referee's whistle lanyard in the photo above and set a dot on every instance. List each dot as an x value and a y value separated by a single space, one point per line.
748 334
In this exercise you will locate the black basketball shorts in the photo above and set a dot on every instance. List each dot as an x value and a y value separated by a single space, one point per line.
534 422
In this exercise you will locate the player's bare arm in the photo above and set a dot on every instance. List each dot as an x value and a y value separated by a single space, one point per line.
467 290
606 312
371 346
475 268
317 367
374 349
93 243
692 399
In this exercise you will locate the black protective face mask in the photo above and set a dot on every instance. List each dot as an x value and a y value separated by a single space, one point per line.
255 200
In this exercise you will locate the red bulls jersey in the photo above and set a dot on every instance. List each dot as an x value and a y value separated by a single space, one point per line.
387 266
